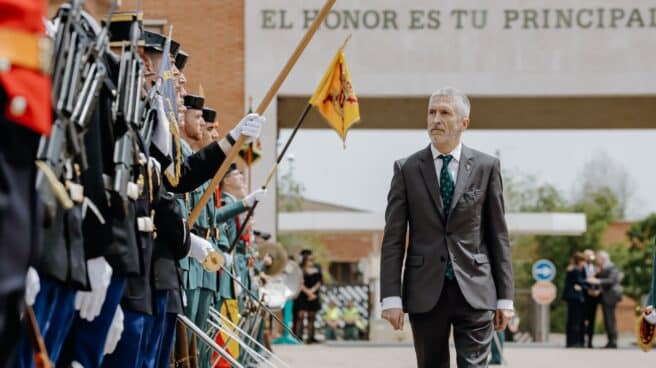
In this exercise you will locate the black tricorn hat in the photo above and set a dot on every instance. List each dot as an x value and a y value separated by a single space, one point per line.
209 115
262 234
194 102
181 60
231 168
154 40
121 26
175 47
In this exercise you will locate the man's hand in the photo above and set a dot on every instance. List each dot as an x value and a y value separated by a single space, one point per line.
395 317
593 281
502 318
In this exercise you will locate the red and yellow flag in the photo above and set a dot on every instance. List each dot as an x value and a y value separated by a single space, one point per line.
335 98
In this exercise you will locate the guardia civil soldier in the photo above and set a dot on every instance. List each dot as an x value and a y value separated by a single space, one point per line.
175 296
25 114
221 216
191 133
233 190
166 272
74 273
197 288
86 341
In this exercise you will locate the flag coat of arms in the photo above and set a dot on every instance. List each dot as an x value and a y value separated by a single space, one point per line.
335 97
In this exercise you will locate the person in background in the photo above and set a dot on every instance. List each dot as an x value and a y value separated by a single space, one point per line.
591 297
308 302
352 322
573 294
331 318
611 293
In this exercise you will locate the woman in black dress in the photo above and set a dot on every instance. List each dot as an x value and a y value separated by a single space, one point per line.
308 302
573 294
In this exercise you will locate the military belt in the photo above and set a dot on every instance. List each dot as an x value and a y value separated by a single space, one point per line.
132 190
145 224
24 49
203 232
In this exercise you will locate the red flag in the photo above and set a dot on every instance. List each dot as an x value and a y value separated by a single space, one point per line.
223 363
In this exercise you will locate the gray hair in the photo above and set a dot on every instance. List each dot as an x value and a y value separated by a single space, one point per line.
460 100
602 254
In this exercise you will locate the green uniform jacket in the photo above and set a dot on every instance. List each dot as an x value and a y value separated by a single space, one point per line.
239 265
193 271
217 217
222 216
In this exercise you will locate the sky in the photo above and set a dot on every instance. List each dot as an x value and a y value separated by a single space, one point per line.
359 175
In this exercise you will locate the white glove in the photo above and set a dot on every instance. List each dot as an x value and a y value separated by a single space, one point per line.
228 260
32 286
115 331
89 303
200 248
651 317
257 195
250 126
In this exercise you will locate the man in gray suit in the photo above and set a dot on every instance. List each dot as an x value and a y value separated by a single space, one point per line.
611 293
458 269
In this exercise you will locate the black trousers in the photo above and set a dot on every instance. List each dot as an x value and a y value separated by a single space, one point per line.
20 221
591 304
575 324
609 322
11 306
472 331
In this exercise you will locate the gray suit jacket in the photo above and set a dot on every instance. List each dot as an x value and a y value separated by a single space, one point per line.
474 233
611 290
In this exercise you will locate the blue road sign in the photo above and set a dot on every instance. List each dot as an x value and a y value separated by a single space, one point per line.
544 270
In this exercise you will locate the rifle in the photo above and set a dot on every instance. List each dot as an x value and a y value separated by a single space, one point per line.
127 116
77 78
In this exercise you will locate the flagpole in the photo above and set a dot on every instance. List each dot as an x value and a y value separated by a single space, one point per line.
258 301
273 90
249 153
299 122
249 162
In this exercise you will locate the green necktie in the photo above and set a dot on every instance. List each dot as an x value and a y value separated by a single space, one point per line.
446 192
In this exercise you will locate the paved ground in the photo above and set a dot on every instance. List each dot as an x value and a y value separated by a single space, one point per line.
518 356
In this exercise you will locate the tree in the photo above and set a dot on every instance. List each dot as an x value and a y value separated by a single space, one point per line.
600 209
526 194
636 262
602 171
290 190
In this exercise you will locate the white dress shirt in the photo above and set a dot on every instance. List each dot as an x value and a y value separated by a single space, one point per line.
395 301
